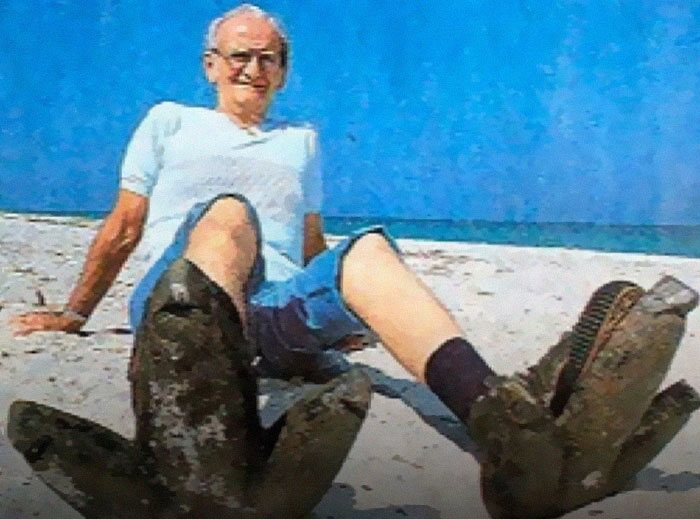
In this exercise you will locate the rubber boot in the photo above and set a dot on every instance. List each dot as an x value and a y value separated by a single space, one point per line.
200 450
552 441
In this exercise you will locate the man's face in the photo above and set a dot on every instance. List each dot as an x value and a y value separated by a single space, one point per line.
245 66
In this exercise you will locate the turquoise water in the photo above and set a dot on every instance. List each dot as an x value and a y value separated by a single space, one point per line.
677 240
651 239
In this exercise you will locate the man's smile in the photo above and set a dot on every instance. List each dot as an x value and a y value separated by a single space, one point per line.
260 87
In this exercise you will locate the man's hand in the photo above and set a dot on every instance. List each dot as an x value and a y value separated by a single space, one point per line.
45 321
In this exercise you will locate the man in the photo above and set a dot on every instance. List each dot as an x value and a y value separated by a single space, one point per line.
241 202
228 213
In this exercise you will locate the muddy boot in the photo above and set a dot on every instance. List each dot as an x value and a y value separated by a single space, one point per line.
200 450
100 473
316 434
617 387
195 400
198 440
585 419
195 396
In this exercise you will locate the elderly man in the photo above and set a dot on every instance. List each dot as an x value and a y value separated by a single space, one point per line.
239 200
226 208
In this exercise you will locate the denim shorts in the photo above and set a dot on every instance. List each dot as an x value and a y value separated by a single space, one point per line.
291 322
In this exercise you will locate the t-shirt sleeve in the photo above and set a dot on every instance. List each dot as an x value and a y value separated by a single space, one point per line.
313 183
144 153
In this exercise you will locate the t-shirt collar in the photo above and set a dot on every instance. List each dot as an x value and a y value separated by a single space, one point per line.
256 130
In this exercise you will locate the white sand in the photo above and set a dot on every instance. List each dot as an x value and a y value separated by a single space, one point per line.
411 458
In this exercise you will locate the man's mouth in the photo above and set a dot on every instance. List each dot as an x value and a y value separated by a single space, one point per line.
258 87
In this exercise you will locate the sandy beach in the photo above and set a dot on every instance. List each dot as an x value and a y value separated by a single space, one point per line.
412 458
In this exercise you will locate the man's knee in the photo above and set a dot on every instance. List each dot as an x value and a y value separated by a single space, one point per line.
228 215
364 254
370 247
224 245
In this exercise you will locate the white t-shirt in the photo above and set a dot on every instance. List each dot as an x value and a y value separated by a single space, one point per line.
180 155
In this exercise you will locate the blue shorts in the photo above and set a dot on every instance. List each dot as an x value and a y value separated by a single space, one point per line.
291 322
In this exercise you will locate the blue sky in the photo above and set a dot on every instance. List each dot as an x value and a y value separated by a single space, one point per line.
520 111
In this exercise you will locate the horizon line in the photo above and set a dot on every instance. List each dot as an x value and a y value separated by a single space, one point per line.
94 214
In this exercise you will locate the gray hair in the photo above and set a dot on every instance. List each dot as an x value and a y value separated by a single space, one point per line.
210 37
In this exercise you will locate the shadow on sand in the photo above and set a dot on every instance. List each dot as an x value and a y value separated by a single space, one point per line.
426 405
342 497
435 414
653 479
112 331
280 394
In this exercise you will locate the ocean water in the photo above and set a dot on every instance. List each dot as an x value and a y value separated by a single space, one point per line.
676 240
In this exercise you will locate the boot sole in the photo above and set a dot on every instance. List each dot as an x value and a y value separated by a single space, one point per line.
606 308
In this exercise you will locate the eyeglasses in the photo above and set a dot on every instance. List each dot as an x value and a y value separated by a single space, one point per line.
267 60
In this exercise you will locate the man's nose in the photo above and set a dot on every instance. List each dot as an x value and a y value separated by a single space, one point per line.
252 68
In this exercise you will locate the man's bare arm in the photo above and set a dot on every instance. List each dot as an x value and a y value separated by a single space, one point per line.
114 242
314 241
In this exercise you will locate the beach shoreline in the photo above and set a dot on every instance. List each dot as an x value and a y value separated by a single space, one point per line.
411 458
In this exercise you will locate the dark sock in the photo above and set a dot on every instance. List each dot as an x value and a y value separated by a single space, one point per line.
455 373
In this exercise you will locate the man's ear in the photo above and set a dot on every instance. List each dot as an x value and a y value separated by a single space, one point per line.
282 79
209 65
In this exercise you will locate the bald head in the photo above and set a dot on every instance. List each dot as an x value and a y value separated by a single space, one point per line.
246 60
241 19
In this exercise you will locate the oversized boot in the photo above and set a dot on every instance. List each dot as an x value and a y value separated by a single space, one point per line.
98 472
199 450
579 424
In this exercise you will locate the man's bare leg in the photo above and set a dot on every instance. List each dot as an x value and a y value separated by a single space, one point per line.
395 303
375 283
413 325
223 245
